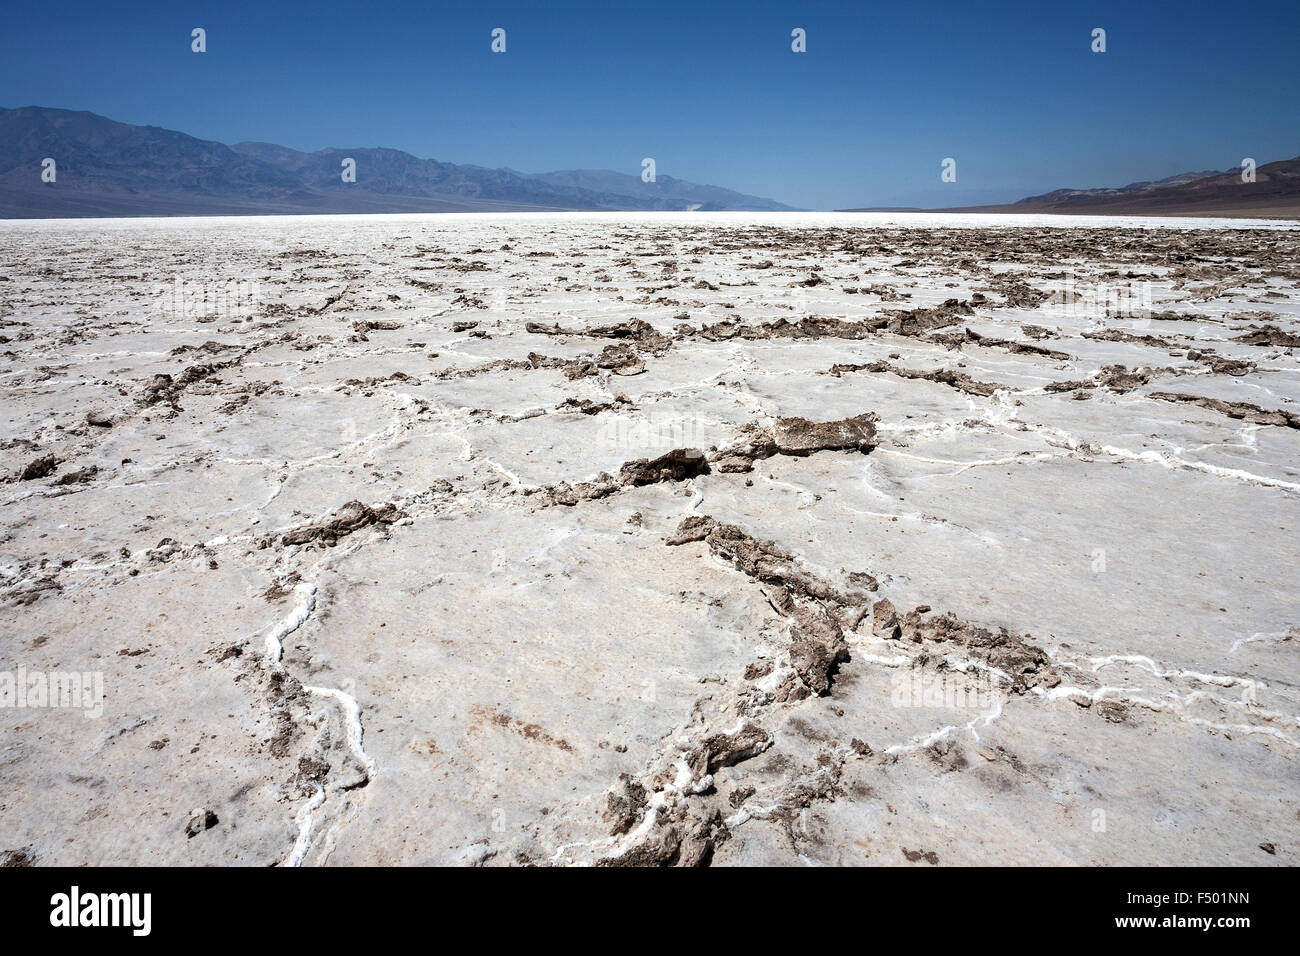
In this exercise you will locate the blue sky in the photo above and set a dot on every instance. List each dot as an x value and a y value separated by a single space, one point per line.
712 91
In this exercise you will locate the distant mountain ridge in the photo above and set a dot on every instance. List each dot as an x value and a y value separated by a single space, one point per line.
1274 193
107 168
1065 195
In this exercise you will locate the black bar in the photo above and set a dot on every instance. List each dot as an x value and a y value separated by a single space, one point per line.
243 906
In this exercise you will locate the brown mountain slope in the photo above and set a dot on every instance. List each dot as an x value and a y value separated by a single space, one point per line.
1275 194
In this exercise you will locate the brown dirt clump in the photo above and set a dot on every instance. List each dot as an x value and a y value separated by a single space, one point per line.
1240 410
798 437
351 517
1269 335
817 642
1024 663
38 468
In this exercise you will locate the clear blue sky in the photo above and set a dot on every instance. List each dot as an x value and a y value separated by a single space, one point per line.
711 90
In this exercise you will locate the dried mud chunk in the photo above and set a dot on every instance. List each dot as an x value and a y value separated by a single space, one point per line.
755 442
763 560
961 381
1011 345
947 755
286 732
1068 386
1233 367
723 750
625 806
353 516
78 477
563 494
1019 294
798 436
1170 316
209 347
699 834
658 849
1269 335
41 467
99 419
916 856
757 669
884 620
675 465
839 368
817 641
621 360
734 464
28 594
944 376
684 838
917 321
1240 410
20 857
312 771
158 389
694 528
1112 710
814 783
374 380
640 332
587 407
817 646
1024 662
810 327
163 388
200 820
1120 379
740 795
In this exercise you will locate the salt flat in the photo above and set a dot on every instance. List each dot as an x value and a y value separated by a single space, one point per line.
651 539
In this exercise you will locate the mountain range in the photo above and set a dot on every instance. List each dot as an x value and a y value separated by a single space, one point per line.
1274 193
106 168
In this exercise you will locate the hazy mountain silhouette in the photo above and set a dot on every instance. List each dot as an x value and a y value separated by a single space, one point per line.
1068 194
1275 193
106 168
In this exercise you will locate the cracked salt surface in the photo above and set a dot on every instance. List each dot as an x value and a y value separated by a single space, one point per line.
498 659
